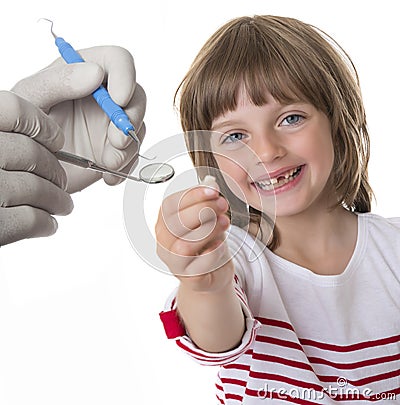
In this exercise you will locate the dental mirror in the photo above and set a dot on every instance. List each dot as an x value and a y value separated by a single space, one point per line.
152 173
156 173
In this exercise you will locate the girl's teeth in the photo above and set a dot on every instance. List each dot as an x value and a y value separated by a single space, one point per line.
274 182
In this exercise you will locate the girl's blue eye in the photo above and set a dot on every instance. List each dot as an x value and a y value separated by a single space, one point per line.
292 119
234 137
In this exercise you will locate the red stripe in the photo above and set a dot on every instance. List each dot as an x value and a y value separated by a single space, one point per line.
281 360
279 342
241 298
362 381
234 381
236 366
352 347
221 401
204 357
275 322
234 397
199 356
357 364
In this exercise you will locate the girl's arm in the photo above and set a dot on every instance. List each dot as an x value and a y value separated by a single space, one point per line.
213 317
190 232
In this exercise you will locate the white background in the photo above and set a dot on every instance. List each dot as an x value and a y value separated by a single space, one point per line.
79 310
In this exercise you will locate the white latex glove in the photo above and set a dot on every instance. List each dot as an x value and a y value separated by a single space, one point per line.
64 92
32 181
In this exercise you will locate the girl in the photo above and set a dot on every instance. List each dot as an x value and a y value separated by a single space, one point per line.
310 312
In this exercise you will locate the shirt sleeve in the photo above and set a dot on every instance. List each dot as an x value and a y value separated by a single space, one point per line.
175 330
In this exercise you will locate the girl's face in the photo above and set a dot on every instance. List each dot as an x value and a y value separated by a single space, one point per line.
275 157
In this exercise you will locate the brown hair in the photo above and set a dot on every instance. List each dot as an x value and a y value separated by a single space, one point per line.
292 61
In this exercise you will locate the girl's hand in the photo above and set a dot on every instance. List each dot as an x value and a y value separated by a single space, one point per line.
190 233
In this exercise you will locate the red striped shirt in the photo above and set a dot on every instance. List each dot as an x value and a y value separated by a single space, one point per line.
314 339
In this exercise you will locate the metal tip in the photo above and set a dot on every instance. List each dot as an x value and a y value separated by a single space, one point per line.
51 28
133 135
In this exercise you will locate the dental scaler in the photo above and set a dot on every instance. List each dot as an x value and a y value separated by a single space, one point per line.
116 114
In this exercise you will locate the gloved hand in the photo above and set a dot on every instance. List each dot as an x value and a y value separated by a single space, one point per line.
32 181
64 92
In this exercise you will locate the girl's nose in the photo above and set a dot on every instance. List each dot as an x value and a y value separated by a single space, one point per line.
267 148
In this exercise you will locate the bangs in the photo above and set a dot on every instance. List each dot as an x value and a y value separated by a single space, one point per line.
258 58
245 63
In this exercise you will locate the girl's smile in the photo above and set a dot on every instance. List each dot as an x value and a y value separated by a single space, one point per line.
280 181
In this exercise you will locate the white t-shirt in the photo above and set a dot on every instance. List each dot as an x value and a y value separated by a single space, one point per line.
314 339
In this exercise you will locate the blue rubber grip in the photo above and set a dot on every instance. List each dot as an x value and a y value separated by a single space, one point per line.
116 114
